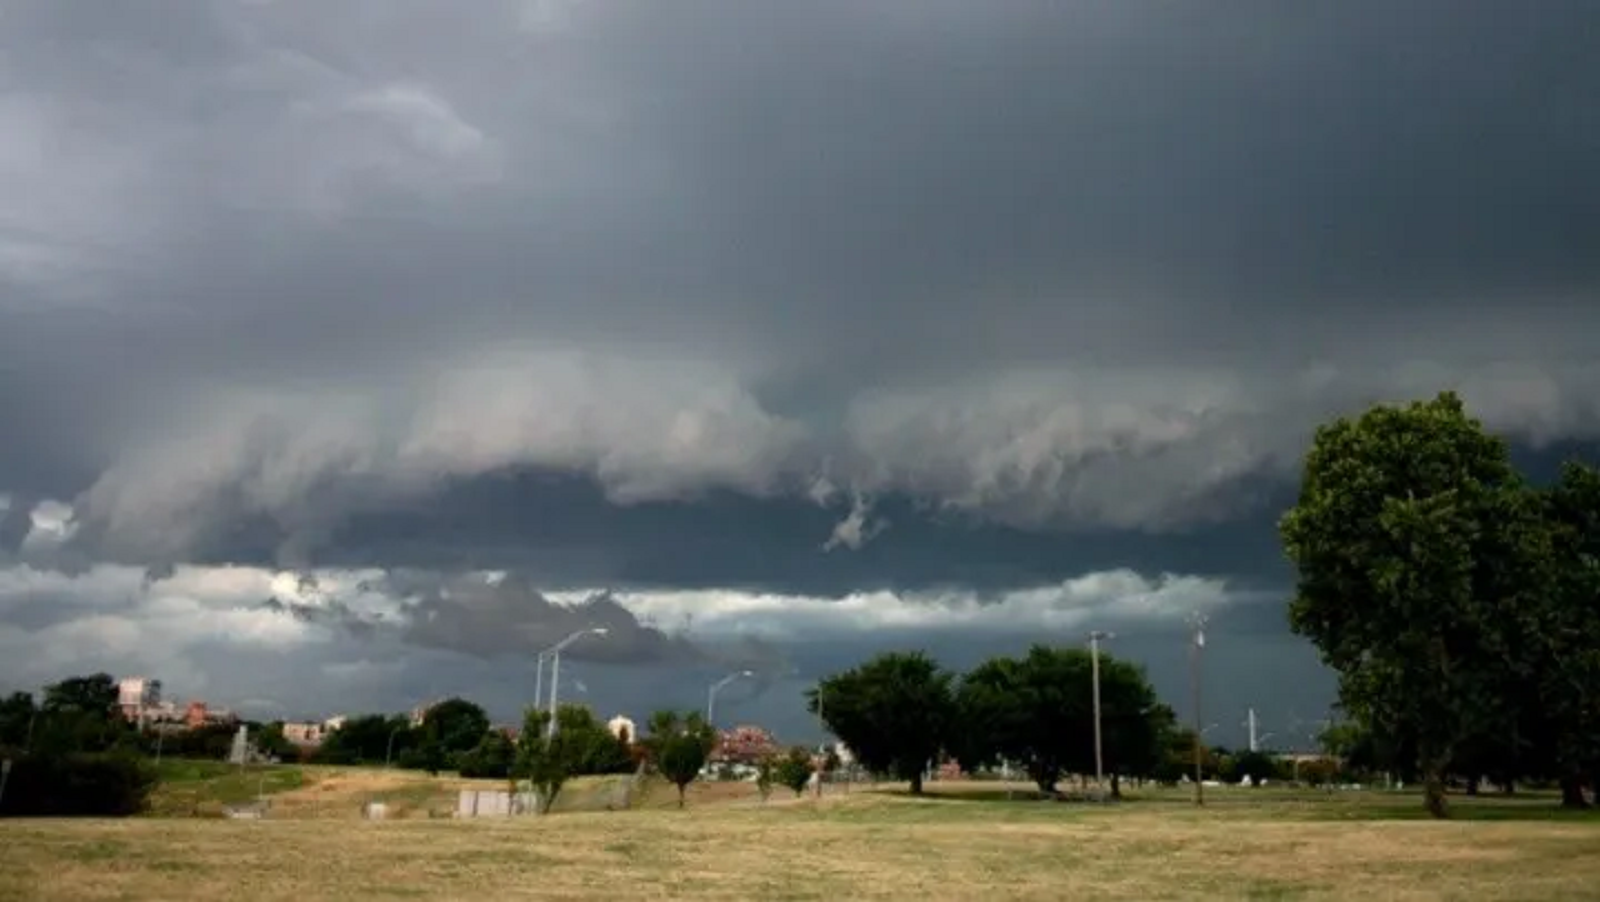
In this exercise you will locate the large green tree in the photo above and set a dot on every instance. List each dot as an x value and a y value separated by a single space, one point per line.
17 719
1416 549
95 694
368 739
455 725
1038 711
581 745
1566 726
895 712
79 714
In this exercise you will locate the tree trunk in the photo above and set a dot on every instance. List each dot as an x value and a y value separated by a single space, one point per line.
681 788
1472 786
1433 787
1572 793
916 783
1116 786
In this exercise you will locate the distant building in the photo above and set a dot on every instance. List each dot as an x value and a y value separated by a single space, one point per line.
198 714
310 733
623 727
420 713
136 695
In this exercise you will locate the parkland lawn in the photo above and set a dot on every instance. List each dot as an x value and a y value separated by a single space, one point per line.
964 843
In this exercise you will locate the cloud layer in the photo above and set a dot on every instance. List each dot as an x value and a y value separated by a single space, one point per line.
827 312
1047 265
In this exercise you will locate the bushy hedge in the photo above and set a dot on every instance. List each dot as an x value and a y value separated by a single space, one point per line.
77 785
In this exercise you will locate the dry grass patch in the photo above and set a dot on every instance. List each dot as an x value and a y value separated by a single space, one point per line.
864 846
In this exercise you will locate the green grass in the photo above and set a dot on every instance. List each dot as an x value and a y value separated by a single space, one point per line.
959 844
207 787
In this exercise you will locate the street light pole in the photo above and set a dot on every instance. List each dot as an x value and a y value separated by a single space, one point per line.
538 676
554 652
1094 676
711 694
1196 646
388 749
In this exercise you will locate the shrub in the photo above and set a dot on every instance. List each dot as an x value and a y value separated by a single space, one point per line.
77 785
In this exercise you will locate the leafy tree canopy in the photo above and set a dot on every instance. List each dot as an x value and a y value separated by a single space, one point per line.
895 712
679 746
794 769
456 725
1038 711
1417 549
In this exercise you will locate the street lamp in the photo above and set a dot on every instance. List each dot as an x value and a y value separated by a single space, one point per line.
1094 675
388 748
554 652
711 694
538 675
1197 644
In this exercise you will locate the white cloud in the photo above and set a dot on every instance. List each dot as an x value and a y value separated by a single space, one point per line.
185 626
857 528
53 525
114 617
1071 604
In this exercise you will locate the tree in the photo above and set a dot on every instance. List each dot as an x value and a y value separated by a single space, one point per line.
1038 711
79 714
450 728
895 712
368 739
794 769
17 719
679 747
581 745
1567 681
1412 541
766 769
270 740
1257 766
492 759
95 694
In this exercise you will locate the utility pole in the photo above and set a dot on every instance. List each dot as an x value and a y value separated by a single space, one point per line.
823 728
711 694
1251 722
1197 645
538 677
554 652
1094 678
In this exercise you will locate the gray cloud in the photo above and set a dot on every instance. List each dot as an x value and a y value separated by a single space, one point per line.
1052 264
1052 288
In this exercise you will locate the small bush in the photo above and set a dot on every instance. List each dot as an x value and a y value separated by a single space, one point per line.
79 785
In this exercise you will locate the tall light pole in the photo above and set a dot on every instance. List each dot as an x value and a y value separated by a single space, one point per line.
711 694
1197 644
1094 677
554 652
388 748
538 676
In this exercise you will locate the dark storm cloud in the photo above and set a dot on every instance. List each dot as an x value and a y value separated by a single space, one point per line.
1047 288
505 615
1052 263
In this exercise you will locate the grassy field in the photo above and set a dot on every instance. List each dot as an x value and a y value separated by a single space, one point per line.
207 788
967 842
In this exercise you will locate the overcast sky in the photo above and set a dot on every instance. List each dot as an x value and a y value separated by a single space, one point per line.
353 350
